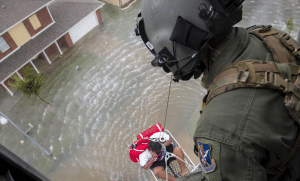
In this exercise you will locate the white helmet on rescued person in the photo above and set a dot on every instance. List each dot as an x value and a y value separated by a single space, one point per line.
175 31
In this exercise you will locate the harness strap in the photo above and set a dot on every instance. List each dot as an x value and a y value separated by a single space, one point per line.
281 46
290 43
257 74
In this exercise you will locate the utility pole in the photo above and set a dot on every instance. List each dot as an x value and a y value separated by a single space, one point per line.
44 150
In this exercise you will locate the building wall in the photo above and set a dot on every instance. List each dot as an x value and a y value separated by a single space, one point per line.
6 36
62 42
51 49
68 40
99 16
44 18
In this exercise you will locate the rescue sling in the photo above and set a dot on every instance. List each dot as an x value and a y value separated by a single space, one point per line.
283 74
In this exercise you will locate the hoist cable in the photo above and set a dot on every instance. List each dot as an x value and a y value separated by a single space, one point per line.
168 102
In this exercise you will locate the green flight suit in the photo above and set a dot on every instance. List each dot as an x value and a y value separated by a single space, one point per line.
248 129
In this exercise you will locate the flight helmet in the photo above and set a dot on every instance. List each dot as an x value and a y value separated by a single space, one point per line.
177 31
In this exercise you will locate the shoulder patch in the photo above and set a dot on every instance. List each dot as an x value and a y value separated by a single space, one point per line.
208 165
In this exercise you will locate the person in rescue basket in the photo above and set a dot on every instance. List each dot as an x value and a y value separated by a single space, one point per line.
151 154
249 126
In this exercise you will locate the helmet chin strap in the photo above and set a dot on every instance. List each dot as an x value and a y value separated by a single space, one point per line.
179 75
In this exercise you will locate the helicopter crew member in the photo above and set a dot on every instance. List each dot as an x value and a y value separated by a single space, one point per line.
249 126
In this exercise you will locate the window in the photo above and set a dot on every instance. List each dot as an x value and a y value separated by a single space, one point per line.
3 45
19 34
35 22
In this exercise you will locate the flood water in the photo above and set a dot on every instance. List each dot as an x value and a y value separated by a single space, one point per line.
96 112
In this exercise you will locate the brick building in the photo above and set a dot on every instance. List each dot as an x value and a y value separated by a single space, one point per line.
33 28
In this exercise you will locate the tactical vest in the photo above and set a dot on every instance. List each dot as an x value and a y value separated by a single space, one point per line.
283 74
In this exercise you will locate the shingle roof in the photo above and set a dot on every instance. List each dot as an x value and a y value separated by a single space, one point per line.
65 15
16 10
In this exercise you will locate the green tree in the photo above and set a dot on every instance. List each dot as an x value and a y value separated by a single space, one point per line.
31 85
290 24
